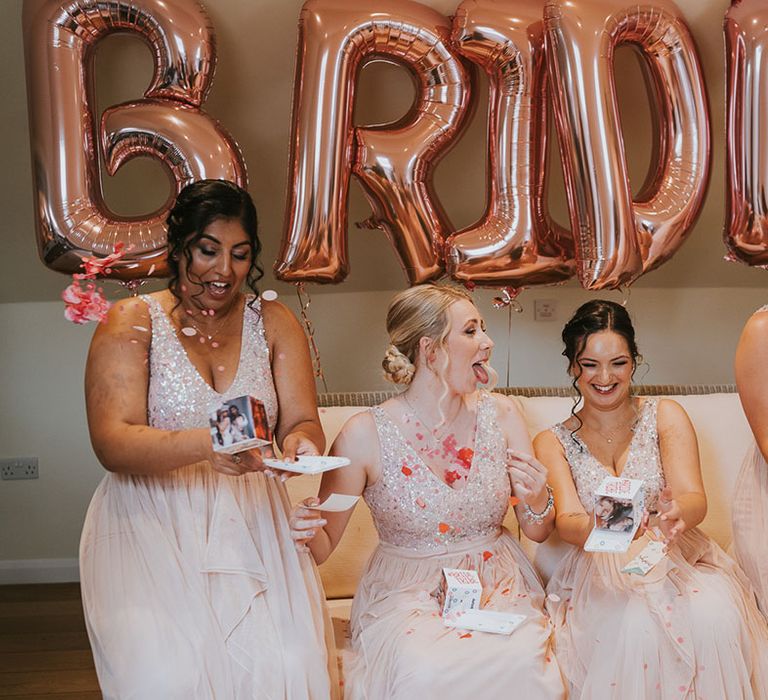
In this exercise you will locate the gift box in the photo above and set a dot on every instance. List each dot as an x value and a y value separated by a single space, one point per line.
239 424
617 513
460 589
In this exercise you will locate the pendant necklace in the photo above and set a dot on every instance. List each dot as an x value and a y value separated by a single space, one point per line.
193 329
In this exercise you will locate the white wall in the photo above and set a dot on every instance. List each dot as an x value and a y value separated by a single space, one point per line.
686 335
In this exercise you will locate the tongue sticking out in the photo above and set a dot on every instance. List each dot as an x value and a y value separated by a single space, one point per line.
481 372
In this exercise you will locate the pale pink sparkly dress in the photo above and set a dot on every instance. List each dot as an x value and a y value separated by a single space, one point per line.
689 629
401 649
750 520
192 587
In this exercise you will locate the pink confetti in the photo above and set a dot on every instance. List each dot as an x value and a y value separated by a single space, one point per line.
201 339
420 503
151 270
680 640
220 368
214 344
189 332
141 328
84 304
419 436
134 341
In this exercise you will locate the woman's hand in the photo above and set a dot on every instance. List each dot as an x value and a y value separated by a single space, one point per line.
305 523
238 464
529 479
298 444
671 521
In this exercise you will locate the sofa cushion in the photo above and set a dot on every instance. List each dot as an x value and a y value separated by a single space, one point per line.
723 435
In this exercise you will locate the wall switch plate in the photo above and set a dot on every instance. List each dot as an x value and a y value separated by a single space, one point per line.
12 468
544 310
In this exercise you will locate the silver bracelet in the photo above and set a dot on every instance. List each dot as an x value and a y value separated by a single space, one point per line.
538 518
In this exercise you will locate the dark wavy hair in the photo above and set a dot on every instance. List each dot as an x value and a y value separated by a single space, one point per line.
593 317
197 206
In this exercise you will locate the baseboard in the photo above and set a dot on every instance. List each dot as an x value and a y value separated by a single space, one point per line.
38 571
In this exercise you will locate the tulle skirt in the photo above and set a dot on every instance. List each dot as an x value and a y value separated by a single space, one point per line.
689 629
193 590
750 524
402 650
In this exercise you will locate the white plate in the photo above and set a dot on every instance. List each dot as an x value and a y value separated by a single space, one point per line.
308 464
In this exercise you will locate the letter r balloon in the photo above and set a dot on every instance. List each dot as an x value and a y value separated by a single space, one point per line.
393 162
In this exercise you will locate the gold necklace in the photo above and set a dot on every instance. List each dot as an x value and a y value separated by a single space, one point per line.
611 434
193 329
433 431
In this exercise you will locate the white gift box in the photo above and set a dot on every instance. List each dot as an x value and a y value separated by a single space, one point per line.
618 512
460 590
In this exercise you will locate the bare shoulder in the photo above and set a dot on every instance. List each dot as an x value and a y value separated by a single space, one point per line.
279 321
359 427
357 438
508 407
670 415
757 324
547 441
126 318
275 313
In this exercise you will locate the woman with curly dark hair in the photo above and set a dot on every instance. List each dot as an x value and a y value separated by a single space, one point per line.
191 585
690 627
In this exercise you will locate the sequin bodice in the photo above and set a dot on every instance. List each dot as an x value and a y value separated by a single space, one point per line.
414 508
643 459
179 397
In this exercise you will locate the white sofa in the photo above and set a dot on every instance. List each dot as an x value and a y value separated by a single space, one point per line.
723 434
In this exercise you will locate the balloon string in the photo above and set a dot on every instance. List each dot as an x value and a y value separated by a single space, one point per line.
509 340
304 303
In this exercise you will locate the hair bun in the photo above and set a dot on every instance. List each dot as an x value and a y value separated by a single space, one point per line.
398 369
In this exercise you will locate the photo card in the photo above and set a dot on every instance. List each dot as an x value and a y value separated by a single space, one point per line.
618 512
239 424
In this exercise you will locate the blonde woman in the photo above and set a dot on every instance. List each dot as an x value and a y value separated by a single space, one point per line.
437 466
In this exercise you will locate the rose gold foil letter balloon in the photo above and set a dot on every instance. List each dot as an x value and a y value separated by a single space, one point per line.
394 162
515 243
746 198
618 239
71 216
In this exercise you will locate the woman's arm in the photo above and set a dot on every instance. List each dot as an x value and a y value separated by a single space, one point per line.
751 369
116 382
686 505
573 523
357 441
298 425
527 474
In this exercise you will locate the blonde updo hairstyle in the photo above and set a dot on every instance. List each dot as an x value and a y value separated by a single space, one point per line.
413 314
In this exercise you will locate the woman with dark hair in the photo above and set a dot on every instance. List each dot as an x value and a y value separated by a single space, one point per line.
191 586
689 628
